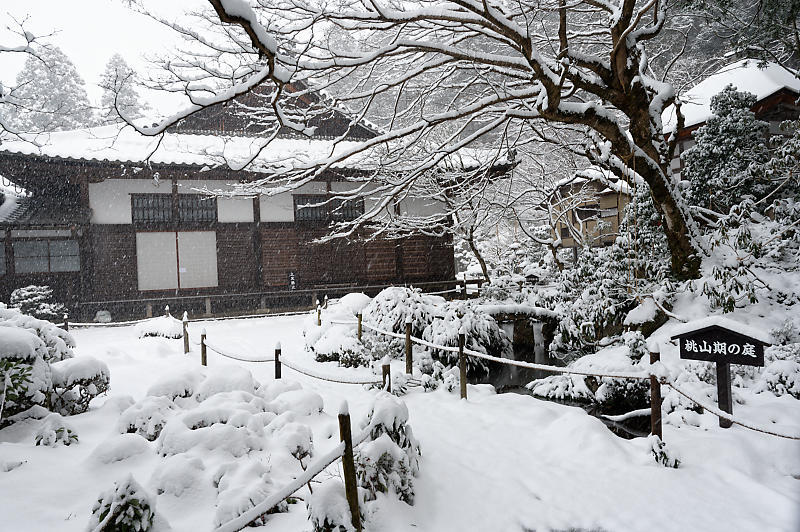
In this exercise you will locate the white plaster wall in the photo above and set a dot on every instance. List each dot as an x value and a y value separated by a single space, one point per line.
231 210
110 200
280 208
421 207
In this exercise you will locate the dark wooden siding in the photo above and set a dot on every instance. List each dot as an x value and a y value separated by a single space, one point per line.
113 269
237 266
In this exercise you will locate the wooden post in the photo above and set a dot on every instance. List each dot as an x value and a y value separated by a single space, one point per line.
724 392
208 306
462 364
278 360
66 322
349 467
325 301
203 353
387 375
409 353
185 333
148 310
360 317
166 310
655 396
319 315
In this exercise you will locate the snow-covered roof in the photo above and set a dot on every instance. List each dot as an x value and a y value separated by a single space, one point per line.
726 323
114 143
745 75
123 144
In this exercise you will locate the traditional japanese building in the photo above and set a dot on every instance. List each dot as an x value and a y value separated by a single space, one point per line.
114 220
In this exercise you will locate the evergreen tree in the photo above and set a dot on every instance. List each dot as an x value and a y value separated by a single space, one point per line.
50 94
728 159
118 92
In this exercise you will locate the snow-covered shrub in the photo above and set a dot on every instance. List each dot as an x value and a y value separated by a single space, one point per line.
124 508
781 377
788 332
54 431
177 474
338 343
389 460
165 326
390 309
76 381
240 485
37 301
25 379
354 303
611 395
661 453
59 343
482 334
146 417
328 509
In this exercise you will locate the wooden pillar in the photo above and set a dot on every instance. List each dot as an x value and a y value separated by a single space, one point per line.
655 397
724 392
387 375
185 333
462 365
203 352
349 467
409 350
278 360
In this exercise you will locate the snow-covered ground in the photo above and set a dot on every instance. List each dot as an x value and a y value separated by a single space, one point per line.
493 463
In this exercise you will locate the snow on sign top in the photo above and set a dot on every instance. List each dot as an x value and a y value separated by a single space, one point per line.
725 323
121 144
744 75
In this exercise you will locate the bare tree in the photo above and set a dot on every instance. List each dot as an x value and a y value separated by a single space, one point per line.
459 75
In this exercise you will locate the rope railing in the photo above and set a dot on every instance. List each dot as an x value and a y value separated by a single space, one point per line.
226 354
642 375
322 377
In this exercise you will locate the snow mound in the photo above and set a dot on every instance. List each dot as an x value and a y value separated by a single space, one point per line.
226 378
70 372
178 474
120 447
165 326
354 302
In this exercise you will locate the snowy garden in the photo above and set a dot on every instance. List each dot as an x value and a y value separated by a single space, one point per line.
176 445
524 266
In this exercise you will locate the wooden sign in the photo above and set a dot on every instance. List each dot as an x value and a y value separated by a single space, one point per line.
718 344
723 342
292 281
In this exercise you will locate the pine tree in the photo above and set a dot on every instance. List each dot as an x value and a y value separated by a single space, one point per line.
50 94
728 159
118 92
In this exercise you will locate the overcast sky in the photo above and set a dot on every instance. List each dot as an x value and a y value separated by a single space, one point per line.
90 32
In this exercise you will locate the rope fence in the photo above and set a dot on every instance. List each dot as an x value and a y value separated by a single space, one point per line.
656 380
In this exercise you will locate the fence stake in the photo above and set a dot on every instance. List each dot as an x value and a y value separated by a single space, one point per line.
166 310
348 466
66 322
408 345
319 315
185 333
203 358
359 326
387 375
325 301
655 396
278 360
462 365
